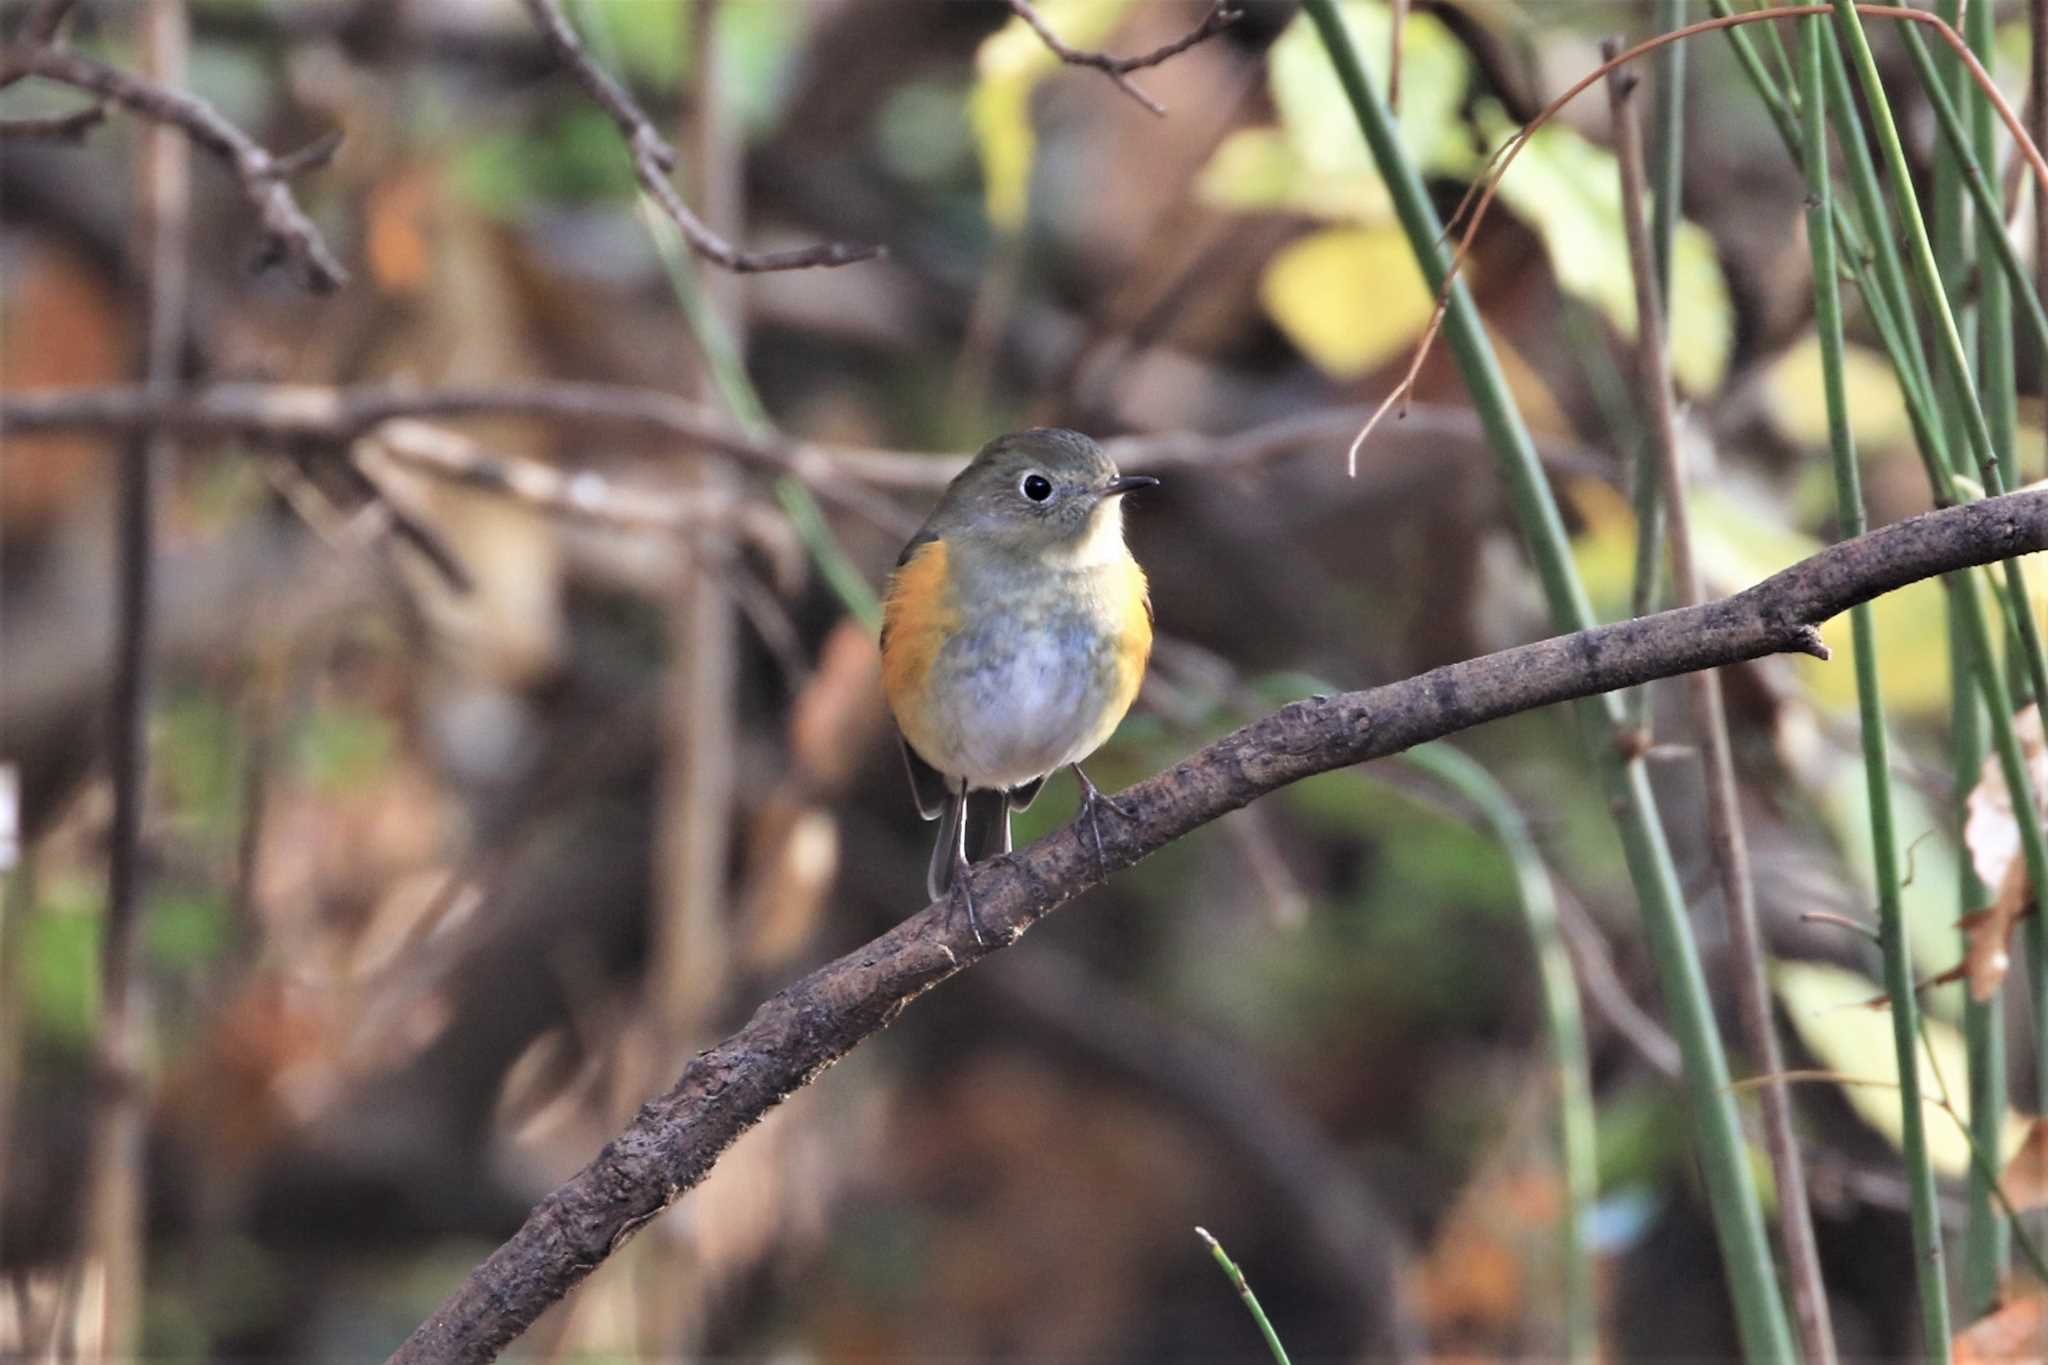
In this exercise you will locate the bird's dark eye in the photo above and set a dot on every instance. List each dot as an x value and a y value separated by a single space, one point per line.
1036 487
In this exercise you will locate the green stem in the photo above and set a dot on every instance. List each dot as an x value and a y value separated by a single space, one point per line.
1898 967
1737 1212
2019 613
1667 144
1578 1149
1244 1291
1987 1243
1963 168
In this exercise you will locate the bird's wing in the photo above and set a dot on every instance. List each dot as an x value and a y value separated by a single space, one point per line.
927 784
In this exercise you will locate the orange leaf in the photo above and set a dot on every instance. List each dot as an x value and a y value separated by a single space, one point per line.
2025 1180
2017 1331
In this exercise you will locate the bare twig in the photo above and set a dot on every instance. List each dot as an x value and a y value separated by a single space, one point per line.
290 235
334 417
1219 17
676 1138
1396 41
654 159
38 29
308 413
71 127
114 1193
1727 843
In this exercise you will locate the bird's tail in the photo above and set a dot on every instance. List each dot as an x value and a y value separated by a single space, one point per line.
987 817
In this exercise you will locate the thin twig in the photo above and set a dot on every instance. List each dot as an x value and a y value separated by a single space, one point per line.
115 1194
678 1137
299 414
1727 845
1397 42
71 127
289 234
1118 69
654 159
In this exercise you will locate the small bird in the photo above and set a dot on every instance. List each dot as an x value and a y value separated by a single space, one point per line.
1014 635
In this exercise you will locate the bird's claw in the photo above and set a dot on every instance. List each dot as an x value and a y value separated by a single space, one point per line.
1092 799
962 895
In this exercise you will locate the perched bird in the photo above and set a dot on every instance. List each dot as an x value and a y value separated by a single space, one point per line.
1014 636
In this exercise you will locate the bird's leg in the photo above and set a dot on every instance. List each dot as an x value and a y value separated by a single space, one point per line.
1093 797
961 893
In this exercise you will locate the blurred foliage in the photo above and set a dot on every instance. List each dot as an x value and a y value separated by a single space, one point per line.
410 969
1837 1015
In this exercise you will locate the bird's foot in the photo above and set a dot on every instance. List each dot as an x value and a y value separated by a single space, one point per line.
1093 798
961 896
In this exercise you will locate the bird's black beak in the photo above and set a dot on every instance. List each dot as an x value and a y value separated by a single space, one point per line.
1128 483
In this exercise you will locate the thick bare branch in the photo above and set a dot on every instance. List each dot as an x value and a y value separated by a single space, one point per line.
677 1137
654 159
289 234
1118 69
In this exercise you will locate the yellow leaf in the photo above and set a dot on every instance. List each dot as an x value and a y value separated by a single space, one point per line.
1259 170
1569 190
1798 407
1350 299
1830 1008
1317 117
1911 626
1605 547
1010 62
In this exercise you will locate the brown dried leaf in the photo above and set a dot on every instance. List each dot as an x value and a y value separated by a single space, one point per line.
835 717
2025 1180
1991 833
2018 1331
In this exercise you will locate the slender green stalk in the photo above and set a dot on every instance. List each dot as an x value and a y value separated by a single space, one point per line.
1890 266
1738 1216
1987 1243
1776 42
1963 592
1667 171
1667 143
728 370
1578 1150
1970 150
1726 838
1244 1291
1898 967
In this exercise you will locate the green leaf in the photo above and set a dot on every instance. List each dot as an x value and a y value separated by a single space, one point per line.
187 931
342 746
60 958
1794 399
1830 1007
